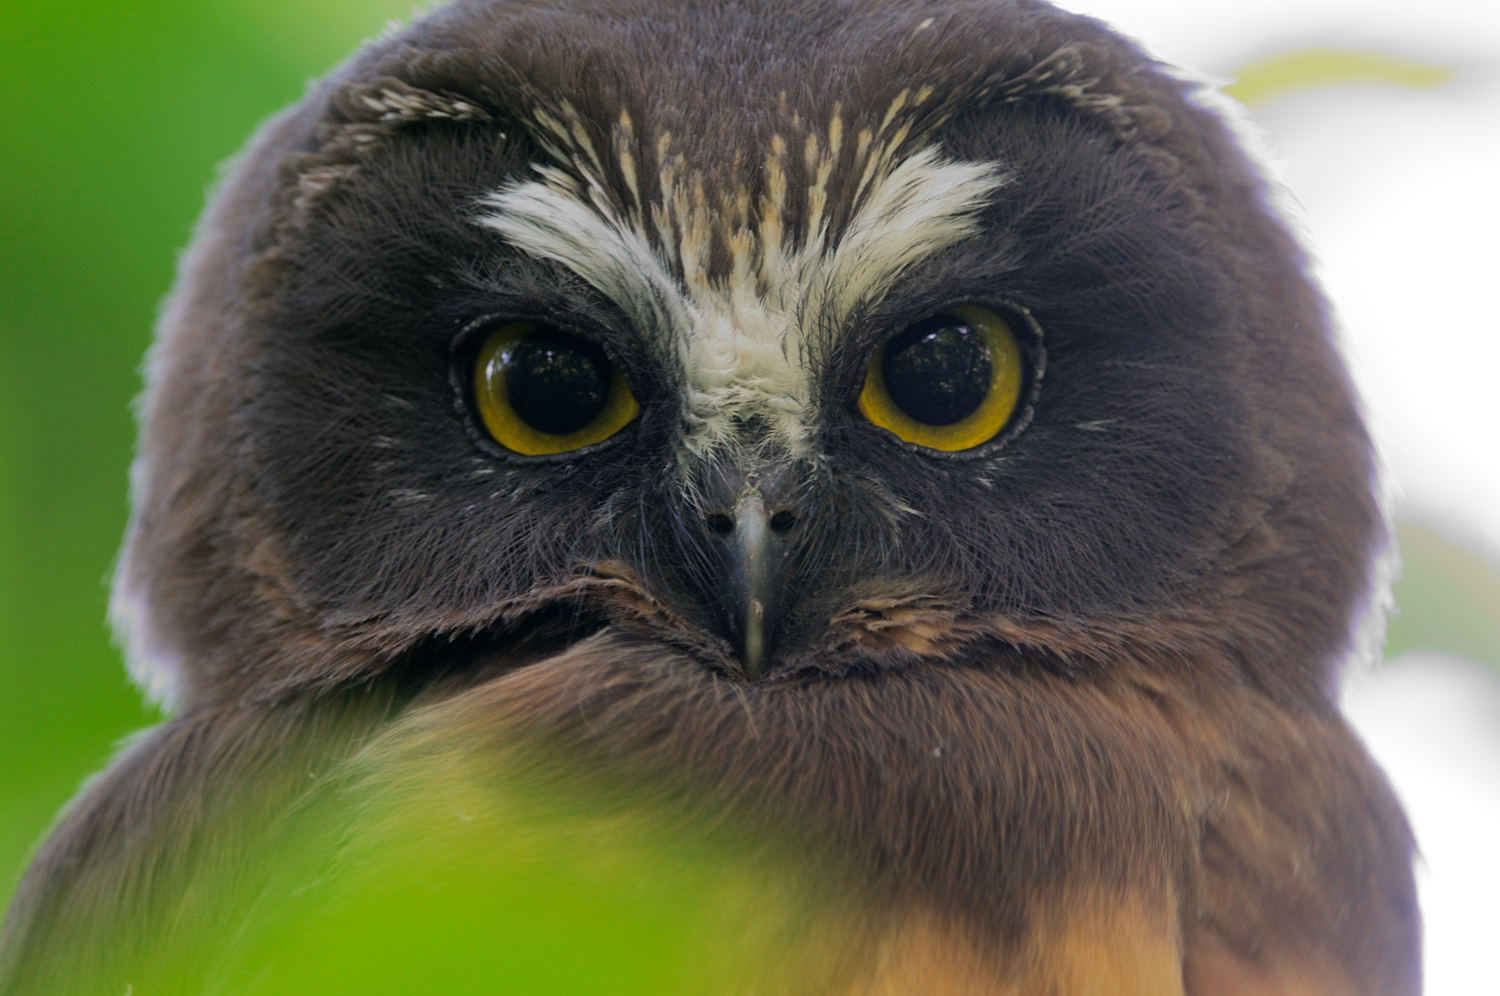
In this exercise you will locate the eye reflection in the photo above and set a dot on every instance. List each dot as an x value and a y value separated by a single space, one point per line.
542 391
938 371
556 383
949 382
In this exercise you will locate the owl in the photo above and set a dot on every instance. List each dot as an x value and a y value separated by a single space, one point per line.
893 447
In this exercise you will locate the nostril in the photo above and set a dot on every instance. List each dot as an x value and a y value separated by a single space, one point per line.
721 524
783 520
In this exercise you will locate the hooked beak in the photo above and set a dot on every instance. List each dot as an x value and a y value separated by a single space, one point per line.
754 544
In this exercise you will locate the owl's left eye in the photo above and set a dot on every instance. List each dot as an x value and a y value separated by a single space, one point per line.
541 391
950 382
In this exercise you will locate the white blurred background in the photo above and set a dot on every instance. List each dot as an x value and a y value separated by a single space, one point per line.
1383 121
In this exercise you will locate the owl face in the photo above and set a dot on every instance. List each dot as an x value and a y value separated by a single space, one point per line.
804 367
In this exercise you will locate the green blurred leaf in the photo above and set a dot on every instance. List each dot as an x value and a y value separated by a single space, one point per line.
1448 599
1262 81
118 115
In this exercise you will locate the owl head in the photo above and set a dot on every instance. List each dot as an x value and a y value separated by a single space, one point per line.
868 335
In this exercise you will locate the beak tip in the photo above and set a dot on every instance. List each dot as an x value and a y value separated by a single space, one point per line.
753 655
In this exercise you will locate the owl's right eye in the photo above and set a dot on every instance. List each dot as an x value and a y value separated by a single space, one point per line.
542 391
948 383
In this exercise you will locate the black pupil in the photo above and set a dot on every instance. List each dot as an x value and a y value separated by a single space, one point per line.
556 382
938 370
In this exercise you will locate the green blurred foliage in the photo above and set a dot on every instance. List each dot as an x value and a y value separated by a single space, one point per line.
1448 598
499 895
117 116
448 880
1262 81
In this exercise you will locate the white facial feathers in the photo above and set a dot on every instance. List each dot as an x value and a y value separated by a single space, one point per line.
741 340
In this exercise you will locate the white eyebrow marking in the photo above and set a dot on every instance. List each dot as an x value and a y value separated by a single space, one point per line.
741 341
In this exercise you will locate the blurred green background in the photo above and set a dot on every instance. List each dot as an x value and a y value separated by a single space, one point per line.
118 115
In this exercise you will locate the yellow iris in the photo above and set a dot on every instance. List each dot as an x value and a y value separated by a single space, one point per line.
497 358
999 399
